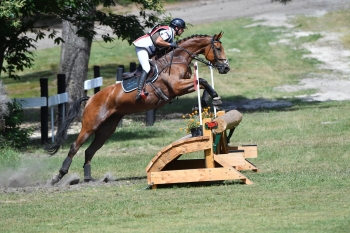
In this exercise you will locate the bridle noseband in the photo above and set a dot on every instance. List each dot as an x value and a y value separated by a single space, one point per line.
216 58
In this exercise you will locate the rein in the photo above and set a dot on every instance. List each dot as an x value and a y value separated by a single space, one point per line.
196 57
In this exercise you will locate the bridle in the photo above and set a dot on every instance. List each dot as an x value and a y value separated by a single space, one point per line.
216 58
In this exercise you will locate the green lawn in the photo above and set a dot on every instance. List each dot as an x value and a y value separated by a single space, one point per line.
303 156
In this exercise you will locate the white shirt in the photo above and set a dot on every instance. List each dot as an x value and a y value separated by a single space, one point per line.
166 32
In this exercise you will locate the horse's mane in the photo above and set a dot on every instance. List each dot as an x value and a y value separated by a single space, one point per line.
190 37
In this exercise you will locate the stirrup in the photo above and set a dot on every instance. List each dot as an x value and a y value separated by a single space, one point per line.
138 95
144 94
141 94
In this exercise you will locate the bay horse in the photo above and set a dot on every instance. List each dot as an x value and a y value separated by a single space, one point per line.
105 109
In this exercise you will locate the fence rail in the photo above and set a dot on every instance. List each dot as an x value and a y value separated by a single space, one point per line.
62 98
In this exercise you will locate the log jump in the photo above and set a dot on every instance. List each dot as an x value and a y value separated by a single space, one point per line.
221 161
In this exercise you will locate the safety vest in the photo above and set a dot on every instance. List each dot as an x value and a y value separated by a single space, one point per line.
148 41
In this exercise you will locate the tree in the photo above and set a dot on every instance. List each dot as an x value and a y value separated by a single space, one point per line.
3 101
17 17
74 60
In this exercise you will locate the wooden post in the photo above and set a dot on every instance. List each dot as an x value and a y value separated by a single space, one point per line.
61 88
120 71
96 75
208 153
132 66
44 111
150 117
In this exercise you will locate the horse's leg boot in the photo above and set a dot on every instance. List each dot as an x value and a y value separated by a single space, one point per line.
141 84
205 99
63 171
217 103
87 173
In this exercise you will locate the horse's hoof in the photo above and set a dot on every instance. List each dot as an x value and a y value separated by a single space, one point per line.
217 101
218 108
55 179
87 180
74 181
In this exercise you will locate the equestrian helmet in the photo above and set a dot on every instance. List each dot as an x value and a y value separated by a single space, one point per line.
177 22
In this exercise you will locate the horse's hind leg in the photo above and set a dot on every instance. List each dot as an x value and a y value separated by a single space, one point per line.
82 137
105 130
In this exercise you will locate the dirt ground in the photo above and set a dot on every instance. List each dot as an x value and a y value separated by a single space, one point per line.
334 86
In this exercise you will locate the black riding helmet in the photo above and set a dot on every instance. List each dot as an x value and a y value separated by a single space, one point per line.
177 22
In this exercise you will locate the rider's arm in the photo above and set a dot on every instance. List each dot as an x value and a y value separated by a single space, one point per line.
161 42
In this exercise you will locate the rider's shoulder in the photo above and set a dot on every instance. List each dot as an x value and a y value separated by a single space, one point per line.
163 27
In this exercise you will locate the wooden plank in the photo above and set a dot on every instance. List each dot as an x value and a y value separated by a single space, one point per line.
190 140
93 83
32 102
194 146
185 164
250 151
233 159
177 149
248 166
221 161
57 99
197 175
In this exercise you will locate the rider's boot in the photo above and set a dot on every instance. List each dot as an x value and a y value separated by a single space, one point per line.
141 84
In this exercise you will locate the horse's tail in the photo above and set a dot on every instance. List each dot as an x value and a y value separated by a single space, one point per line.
61 134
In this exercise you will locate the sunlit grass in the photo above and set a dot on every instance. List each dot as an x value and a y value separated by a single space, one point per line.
303 155
335 22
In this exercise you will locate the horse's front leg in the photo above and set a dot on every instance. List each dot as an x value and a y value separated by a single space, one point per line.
213 94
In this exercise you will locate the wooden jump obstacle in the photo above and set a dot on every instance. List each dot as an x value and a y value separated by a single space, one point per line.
221 161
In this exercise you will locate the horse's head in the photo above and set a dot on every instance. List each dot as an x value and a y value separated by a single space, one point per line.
215 53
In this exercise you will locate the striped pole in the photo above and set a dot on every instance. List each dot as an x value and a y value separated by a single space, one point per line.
212 84
196 87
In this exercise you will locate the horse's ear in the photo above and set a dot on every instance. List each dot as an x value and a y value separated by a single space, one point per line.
218 36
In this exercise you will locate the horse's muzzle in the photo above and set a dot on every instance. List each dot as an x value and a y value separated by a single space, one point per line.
223 68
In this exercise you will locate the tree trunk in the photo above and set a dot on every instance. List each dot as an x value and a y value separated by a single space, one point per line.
75 56
2 54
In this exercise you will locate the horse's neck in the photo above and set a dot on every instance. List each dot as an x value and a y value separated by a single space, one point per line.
184 55
194 46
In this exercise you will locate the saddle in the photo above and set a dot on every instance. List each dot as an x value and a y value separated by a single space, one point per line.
130 79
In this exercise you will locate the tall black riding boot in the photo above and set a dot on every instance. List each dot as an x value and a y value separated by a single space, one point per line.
141 84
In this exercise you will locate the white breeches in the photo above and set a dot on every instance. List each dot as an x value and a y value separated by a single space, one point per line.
142 54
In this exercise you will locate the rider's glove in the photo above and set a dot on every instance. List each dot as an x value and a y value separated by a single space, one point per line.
173 44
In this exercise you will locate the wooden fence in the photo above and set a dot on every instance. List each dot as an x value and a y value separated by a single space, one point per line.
45 102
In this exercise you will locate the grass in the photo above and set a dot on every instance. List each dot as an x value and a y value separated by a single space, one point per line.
303 155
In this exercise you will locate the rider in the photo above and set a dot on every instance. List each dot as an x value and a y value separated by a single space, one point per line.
157 38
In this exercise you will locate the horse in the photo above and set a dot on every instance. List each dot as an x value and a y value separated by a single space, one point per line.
104 110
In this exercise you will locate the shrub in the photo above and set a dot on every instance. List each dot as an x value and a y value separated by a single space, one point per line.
13 135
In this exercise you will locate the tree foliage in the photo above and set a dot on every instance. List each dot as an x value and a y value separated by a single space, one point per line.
18 17
13 135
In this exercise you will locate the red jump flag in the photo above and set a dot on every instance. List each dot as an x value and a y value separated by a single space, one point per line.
195 80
